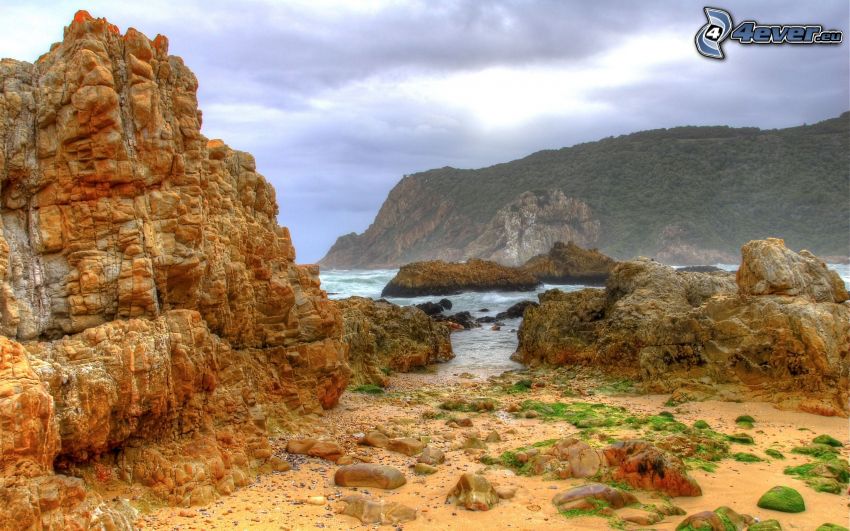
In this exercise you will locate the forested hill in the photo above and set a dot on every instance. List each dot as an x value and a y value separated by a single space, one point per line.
686 194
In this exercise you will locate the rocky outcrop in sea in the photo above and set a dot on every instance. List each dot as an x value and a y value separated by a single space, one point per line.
779 332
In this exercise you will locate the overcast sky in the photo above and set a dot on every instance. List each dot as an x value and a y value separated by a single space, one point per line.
339 99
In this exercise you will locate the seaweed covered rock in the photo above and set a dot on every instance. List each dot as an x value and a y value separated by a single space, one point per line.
672 328
383 337
446 278
784 499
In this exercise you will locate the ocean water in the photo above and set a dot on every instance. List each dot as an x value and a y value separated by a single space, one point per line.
481 350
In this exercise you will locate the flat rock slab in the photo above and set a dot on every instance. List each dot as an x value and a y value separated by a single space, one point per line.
376 511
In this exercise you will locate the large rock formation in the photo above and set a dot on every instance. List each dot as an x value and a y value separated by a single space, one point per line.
383 337
781 333
154 318
567 263
685 195
446 278
531 224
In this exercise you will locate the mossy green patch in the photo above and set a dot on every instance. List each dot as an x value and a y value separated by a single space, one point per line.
827 440
831 527
522 386
776 454
784 499
746 457
740 438
701 464
823 476
765 525
369 389
820 451
579 414
701 425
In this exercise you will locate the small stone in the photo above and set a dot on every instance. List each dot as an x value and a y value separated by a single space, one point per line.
376 512
473 492
423 469
317 500
505 492
493 437
406 445
432 455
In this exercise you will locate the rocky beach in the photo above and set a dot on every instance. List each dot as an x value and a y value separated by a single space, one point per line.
166 364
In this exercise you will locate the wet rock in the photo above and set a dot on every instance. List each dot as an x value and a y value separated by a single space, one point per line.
438 278
369 475
515 310
721 519
473 492
567 263
432 455
383 337
578 497
376 512
646 466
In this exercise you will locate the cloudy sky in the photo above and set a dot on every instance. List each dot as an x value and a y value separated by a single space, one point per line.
339 99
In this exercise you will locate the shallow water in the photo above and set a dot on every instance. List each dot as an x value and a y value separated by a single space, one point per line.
480 351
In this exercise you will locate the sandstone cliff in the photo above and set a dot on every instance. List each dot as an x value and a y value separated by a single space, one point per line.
155 322
780 333
686 195
383 337
446 278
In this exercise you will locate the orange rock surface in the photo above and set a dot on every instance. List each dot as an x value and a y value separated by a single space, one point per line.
153 319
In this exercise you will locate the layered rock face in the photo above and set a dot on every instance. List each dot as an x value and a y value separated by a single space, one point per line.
415 226
568 263
780 333
153 315
531 224
446 278
383 337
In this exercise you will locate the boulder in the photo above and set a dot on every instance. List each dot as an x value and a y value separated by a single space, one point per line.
567 263
578 497
720 519
515 311
473 492
645 466
369 475
382 336
667 329
578 459
446 278
329 450
784 499
770 268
